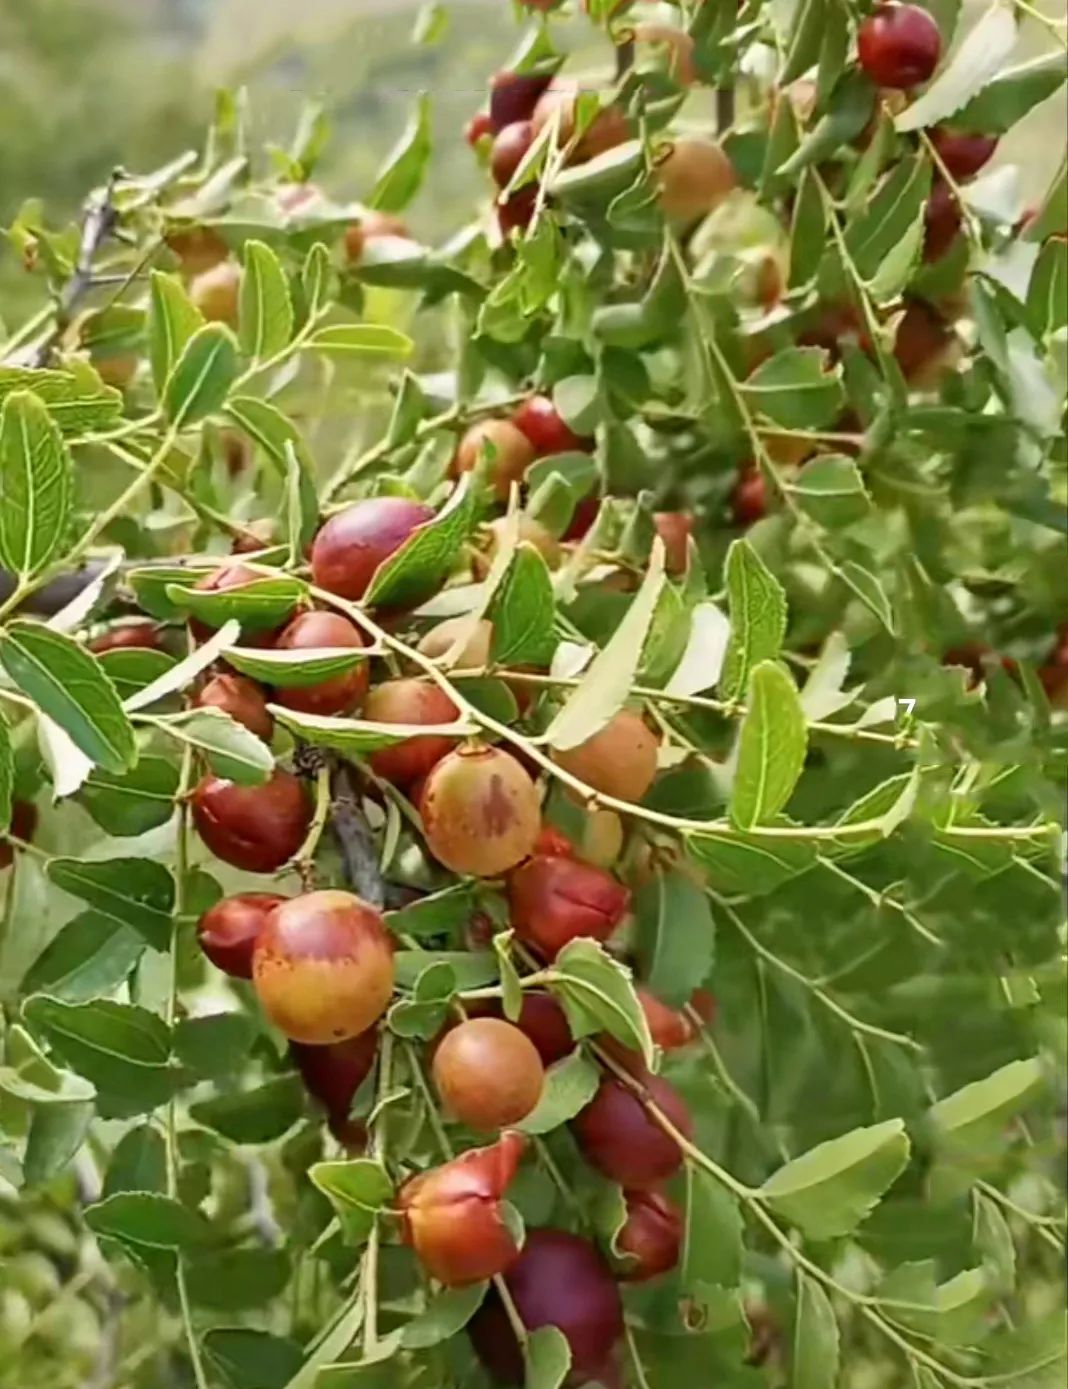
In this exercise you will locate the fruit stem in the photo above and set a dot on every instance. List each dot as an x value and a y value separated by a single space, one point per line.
305 856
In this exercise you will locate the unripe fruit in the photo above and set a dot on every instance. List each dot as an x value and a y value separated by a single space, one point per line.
669 1029
488 1073
619 760
198 249
554 900
899 46
258 828
323 967
517 212
621 1139
242 699
452 1214
480 811
607 129
410 701
749 496
372 227
476 651
509 147
126 636
941 222
478 127
513 97
694 178
229 930
602 838
962 154
341 693
332 1074
544 1021
538 418
651 1238
23 824
508 453
558 1280
352 544
674 529
676 45
117 369
530 532
227 576
216 292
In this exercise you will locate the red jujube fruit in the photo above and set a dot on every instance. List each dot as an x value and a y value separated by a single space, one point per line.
899 46
258 828
623 1141
553 900
651 1236
538 418
410 701
229 930
333 1073
242 699
352 544
341 693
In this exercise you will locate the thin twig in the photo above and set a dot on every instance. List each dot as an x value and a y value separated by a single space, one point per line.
97 225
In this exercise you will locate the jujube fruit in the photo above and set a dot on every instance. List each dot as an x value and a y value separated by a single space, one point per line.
607 129
651 1236
538 418
923 344
242 699
216 292
476 650
23 824
674 529
477 128
229 930
333 1073
619 760
452 1218
694 177
668 1027
676 45
602 838
899 46
197 248
352 544
529 532
488 1073
941 221
480 811
373 226
228 576
340 694
509 148
749 496
517 212
623 1141
554 900
323 967
257 828
962 154
410 701
507 451
553 842
544 1021
513 96
128 636
558 1280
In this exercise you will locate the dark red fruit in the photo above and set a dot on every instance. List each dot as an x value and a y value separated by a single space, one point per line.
962 154
584 516
333 1073
553 900
552 842
558 1280
125 636
669 1029
621 1139
941 222
341 693
23 825
513 96
242 699
899 46
539 419
545 1023
674 529
352 544
651 1238
477 127
227 576
508 151
229 930
922 338
517 212
410 701
257 828
749 496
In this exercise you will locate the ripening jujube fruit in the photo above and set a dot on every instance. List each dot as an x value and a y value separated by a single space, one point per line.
216 292
333 1073
924 344
558 1280
23 824
509 148
942 220
619 760
668 1027
258 828
230 575
676 45
513 96
674 529
323 967
651 1236
529 532
488 1073
478 128
351 545
749 496
544 1021
962 153
480 811
340 694
138 635
508 453
538 418
693 177
410 701
517 212
242 699
475 652
229 930
373 226
899 46
623 1141
607 129
553 900
602 838
197 248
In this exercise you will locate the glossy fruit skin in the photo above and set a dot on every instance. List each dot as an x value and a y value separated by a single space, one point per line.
410 701
333 1073
651 1238
323 967
352 544
619 760
674 529
554 900
607 129
623 1142
488 1073
941 222
341 693
477 128
452 1214
23 825
669 1029
480 811
127 636
749 496
899 46
509 148
511 457
257 828
215 292
553 843
242 699
538 418
963 154
558 1280
229 930
544 1021
372 227
694 178
229 575
517 212
513 97
476 651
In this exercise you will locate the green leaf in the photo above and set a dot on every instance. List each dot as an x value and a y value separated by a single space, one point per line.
70 686
138 1162
232 1280
361 736
547 1358
7 774
438 914
796 388
135 802
146 1218
808 231
266 309
815 1358
712 1240
985 47
757 617
444 1316
808 22
296 669
771 747
1013 92
209 1043
266 426
830 1189
401 177
848 112
35 481
675 936
896 269
597 994
357 1189
231 750
173 318
253 1359
426 558
259 606
962 1118
869 590
994 1243
523 610
1047 291
360 340
831 490
76 400
749 864
1052 216
468 969
91 956
133 892
56 1133
889 215
570 1084
202 376
253 1116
